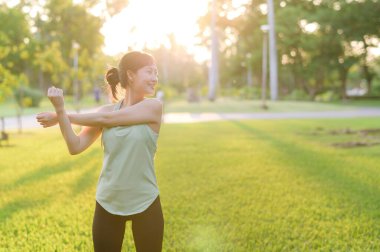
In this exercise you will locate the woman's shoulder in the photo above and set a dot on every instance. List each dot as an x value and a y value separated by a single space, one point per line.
155 101
152 99
107 107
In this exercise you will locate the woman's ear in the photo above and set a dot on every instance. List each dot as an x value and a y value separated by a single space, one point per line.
130 75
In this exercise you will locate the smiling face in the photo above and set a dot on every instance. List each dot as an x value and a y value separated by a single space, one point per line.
145 79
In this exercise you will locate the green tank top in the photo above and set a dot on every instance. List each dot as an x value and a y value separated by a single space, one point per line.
127 183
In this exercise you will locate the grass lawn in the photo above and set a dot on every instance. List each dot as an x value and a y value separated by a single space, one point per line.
221 105
225 186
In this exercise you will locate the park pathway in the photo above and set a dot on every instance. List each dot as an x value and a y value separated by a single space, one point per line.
29 121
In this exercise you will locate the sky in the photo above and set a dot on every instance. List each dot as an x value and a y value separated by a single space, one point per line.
151 21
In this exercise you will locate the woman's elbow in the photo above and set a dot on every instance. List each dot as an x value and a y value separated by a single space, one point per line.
73 152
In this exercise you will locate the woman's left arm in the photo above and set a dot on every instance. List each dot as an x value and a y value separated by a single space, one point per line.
146 111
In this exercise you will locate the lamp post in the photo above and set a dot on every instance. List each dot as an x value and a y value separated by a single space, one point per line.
213 70
272 52
265 29
76 46
249 70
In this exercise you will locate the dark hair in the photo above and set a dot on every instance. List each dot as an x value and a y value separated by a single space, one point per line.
132 61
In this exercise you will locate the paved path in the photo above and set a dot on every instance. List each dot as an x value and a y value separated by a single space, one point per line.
204 117
30 122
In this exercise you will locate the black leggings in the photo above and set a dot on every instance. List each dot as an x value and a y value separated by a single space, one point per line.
147 228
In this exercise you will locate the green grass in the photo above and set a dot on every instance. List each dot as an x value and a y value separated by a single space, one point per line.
225 186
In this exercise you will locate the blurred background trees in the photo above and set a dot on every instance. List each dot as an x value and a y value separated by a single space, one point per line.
327 50
325 47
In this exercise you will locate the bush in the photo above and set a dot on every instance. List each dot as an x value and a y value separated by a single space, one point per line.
376 87
297 95
327 97
249 93
28 97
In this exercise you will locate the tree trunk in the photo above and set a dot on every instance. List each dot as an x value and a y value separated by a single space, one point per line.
302 81
41 81
368 75
343 72
319 81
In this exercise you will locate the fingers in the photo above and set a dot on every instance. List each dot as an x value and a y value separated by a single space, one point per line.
40 117
53 91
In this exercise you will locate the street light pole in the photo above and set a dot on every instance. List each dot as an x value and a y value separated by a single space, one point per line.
213 70
249 70
75 83
272 52
265 29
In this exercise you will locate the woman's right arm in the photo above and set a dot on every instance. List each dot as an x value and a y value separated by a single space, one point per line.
75 143
78 143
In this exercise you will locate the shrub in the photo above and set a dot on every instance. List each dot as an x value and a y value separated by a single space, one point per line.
28 97
327 96
249 93
376 87
297 95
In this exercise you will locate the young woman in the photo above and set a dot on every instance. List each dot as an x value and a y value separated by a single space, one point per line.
127 187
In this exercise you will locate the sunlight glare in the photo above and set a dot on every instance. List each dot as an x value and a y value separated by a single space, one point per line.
149 22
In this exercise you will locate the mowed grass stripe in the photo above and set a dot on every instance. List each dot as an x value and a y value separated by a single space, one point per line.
340 189
225 186
275 171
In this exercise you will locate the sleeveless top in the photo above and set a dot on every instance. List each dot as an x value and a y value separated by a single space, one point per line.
127 183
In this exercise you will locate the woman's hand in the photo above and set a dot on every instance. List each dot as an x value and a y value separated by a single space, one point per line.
47 119
55 96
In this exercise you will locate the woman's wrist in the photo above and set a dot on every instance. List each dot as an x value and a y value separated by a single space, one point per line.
60 111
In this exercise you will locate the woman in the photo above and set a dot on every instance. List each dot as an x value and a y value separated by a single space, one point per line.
127 187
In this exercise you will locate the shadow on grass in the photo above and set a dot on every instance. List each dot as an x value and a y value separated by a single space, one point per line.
324 168
47 171
8 210
7 146
85 181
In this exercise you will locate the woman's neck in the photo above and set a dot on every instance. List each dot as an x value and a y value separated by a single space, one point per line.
130 100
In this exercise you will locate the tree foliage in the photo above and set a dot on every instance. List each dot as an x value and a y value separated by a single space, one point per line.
318 43
40 46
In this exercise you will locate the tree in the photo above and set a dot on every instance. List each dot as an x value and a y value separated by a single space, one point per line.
14 39
59 25
318 42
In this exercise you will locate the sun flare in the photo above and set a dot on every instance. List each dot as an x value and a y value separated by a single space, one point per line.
149 22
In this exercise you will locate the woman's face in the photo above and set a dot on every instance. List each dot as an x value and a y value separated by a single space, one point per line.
146 79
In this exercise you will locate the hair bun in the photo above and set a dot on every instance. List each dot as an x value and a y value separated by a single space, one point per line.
112 76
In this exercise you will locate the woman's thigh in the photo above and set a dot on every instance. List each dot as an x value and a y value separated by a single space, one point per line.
107 230
148 228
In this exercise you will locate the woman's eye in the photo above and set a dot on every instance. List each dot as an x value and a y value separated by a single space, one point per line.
152 72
